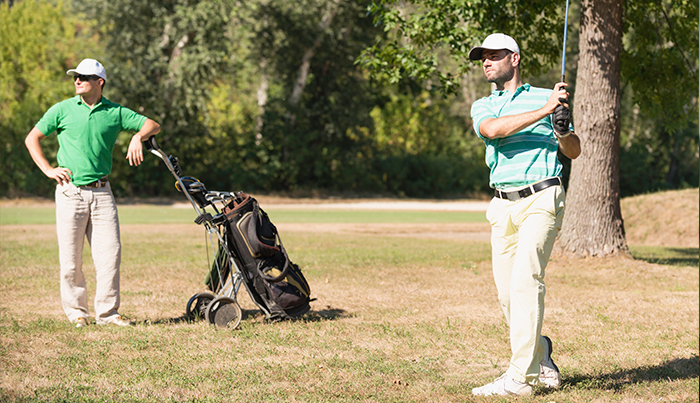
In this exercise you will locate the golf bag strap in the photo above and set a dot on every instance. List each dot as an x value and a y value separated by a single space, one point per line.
285 269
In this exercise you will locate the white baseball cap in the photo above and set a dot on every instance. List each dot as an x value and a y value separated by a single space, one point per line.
495 42
89 67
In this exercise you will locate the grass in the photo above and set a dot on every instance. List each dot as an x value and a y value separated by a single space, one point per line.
666 255
131 214
397 319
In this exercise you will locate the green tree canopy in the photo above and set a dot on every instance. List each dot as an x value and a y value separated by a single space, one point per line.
40 42
419 31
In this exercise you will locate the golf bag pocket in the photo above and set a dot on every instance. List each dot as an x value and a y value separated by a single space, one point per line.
252 225
284 281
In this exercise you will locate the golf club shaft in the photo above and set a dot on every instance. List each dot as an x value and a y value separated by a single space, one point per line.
563 51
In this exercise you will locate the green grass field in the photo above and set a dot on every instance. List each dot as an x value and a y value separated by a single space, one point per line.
397 319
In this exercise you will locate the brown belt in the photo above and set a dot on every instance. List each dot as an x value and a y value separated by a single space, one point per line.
100 183
525 192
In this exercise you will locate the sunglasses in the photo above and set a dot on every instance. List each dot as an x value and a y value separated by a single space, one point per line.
84 78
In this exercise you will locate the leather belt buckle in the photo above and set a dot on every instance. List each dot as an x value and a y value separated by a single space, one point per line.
100 183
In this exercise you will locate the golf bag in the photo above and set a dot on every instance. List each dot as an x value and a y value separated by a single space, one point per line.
248 251
276 282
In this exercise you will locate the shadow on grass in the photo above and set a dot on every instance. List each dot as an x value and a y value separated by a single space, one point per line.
326 314
168 321
667 256
676 369
312 316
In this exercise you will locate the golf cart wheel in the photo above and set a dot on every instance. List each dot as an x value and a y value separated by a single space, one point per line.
197 305
224 312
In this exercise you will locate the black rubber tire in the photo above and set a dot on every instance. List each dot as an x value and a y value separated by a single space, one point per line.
224 312
197 305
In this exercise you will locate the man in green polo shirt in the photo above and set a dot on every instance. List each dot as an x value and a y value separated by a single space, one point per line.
87 127
522 133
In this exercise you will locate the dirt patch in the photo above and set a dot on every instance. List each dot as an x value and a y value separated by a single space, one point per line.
27 202
456 231
659 219
663 219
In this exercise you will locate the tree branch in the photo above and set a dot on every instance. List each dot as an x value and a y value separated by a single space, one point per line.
300 82
675 42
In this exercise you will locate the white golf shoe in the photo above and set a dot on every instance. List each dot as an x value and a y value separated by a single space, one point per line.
550 377
503 386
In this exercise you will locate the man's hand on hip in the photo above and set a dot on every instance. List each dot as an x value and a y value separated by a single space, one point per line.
60 175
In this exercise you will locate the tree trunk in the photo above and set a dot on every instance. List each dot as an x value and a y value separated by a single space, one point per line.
300 82
674 164
262 100
593 222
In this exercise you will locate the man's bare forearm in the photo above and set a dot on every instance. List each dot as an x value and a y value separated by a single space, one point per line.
504 126
570 145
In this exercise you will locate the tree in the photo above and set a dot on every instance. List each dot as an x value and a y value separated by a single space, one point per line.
593 220
658 41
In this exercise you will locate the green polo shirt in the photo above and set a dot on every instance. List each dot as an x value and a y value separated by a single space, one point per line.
527 156
86 137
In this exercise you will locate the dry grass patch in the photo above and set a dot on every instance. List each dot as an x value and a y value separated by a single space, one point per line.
665 219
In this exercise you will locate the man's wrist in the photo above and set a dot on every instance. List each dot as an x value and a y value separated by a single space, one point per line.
562 135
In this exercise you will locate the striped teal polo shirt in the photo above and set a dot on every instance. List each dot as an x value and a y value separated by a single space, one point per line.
525 157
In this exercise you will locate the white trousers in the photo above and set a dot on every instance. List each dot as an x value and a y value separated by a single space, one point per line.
82 212
522 236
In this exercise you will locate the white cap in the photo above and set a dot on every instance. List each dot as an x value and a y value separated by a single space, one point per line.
495 42
89 67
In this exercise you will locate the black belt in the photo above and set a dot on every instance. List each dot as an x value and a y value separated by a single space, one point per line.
525 192
100 183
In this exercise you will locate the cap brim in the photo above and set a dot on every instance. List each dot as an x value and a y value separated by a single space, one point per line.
475 53
75 72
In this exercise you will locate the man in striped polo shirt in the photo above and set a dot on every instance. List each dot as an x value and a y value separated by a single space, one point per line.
522 133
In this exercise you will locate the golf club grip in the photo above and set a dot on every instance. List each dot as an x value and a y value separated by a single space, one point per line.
151 143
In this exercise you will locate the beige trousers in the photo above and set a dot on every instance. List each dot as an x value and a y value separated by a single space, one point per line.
522 236
81 212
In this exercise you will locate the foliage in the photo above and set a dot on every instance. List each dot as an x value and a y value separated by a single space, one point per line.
163 55
383 107
660 59
419 30
660 126
653 158
330 141
229 114
40 42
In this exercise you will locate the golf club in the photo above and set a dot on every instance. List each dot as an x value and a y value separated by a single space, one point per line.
563 51
563 57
